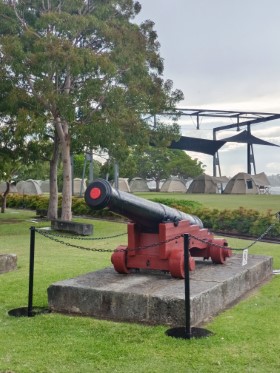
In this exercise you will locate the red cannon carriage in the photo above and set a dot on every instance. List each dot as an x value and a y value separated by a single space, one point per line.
155 233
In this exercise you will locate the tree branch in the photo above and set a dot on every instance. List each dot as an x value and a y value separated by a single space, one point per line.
22 21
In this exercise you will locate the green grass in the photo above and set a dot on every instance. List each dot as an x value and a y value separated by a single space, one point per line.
262 202
246 337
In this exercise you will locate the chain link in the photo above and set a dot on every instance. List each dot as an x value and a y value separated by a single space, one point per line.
40 231
49 233
260 237
52 237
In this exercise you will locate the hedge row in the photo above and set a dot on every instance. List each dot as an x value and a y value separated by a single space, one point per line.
239 221
40 202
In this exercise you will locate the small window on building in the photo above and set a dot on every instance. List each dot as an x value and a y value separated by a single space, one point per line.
249 184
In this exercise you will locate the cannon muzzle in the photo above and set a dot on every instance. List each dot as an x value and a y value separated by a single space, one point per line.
100 194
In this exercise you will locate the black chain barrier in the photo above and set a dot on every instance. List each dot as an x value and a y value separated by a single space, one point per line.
29 310
53 236
50 233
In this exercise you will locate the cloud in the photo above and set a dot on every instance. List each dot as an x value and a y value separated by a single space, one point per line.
223 55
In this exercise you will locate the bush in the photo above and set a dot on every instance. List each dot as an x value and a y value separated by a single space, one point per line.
41 202
182 205
239 221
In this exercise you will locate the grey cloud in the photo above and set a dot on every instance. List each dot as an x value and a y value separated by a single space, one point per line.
223 55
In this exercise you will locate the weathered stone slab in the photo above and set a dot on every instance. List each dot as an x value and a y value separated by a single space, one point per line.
157 298
8 262
73 227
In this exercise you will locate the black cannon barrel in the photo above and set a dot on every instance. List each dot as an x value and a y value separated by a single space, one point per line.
100 194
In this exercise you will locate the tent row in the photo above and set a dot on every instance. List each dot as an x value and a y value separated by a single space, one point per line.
241 183
137 184
37 187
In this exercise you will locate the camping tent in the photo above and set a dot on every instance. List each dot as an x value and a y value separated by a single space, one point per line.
123 185
45 186
262 182
173 185
241 183
138 184
152 185
29 187
3 187
261 179
79 186
203 184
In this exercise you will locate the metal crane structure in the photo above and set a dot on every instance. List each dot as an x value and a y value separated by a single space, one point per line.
238 120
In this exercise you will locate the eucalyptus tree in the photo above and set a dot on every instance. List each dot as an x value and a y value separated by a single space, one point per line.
12 158
90 70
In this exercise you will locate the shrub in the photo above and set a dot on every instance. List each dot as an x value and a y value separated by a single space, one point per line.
240 221
182 205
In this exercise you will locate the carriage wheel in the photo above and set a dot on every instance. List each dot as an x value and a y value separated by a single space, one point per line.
216 254
219 253
176 264
118 259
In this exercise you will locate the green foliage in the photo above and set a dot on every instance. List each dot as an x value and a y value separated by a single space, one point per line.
183 166
37 171
238 221
245 336
79 163
84 64
159 163
182 205
79 206
80 74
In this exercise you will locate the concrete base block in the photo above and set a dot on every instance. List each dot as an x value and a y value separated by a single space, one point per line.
72 227
8 262
156 298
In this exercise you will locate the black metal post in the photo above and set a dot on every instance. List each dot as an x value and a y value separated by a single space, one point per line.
29 311
187 287
187 332
31 271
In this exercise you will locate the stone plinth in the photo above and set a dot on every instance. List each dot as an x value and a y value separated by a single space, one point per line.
157 298
8 262
72 227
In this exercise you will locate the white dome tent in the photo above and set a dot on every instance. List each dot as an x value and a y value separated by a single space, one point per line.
30 187
173 185
138 184
241 183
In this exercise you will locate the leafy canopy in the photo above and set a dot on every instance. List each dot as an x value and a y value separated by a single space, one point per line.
86 64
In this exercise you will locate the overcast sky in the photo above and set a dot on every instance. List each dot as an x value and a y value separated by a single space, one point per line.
223 54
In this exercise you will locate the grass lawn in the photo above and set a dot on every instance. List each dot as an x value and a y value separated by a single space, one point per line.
246 337
260 202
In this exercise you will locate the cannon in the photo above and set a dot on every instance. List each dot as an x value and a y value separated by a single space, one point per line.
155 233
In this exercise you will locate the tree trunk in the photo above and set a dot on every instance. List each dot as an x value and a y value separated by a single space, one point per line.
64 137
157 185
53 201
4 197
